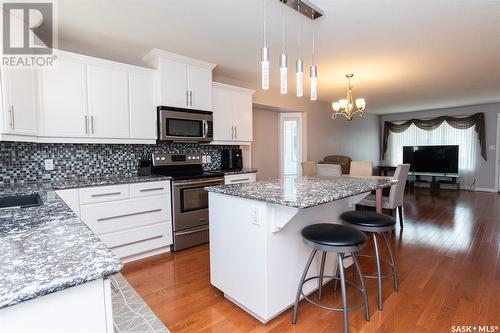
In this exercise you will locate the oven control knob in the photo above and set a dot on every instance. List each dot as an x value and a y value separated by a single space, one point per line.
157 158
163 158
197 157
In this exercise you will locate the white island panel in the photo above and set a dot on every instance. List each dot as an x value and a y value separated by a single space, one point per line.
256 250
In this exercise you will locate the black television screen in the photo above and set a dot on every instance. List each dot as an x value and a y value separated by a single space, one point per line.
432 159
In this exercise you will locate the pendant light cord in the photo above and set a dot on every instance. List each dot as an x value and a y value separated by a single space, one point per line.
282 27
300 30
265 23
313 38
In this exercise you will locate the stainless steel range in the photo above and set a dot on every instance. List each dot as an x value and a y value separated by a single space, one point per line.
189 198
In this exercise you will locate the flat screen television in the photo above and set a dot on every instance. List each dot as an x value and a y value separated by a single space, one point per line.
431 159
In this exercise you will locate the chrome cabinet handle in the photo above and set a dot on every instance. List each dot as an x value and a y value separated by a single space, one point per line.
11 116
151 189
92 124
232 132
240 180
187 98
130 214
140 241
191 98
235 133
104 194
86 124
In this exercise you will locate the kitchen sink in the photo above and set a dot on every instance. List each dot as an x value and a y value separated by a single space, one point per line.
21 201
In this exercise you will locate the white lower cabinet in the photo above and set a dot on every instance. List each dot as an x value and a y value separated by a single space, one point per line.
240 178
133 220
85 308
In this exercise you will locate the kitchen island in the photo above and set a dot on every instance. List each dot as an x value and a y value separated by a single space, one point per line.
256 249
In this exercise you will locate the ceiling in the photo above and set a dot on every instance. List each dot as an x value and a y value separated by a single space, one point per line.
405 55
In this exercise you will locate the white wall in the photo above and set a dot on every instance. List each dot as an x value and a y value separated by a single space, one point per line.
485 169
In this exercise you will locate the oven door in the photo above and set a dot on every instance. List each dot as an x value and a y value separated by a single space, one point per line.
184 126
190 202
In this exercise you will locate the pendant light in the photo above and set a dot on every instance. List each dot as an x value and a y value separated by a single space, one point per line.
313 70
299 65
265 55
283 57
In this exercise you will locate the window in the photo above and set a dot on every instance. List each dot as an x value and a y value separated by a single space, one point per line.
466 139
291 144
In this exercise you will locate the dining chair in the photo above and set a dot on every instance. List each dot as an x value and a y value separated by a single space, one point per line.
361 168
329 170
396 194
309 168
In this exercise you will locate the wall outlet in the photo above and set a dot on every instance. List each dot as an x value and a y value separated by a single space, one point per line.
208 159
49 164
255 216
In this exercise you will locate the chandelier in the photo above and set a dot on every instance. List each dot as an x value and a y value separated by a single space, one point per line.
345 107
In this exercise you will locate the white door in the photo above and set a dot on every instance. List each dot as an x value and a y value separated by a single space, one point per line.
19 86
223 115
142 106
291 144
108 102
241 105
200 88
174 87
63 97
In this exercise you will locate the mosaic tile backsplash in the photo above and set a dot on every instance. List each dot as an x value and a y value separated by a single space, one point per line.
23 162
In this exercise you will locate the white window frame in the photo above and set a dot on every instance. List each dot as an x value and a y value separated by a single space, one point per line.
302 134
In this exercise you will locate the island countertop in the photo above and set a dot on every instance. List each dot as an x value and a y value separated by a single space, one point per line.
303 192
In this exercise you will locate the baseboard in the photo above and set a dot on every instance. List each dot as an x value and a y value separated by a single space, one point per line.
483 189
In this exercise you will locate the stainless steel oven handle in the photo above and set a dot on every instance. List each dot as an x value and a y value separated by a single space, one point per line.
192 231
198 182
205 128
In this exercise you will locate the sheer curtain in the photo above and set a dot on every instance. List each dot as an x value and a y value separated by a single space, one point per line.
466 139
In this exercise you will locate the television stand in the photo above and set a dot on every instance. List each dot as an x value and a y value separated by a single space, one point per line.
436 179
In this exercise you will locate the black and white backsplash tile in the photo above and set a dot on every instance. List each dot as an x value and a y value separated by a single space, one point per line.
23 162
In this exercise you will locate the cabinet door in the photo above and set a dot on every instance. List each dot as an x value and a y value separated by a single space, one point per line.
108 102
174 88
223 117
19 88
63 98
241 105
142 106
200 88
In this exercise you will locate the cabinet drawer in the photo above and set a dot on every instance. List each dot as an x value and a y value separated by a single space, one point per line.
135 235
150 188
103 193
125 214
151 238
239 178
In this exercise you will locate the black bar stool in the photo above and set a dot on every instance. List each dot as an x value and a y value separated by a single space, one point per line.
375 223
339 239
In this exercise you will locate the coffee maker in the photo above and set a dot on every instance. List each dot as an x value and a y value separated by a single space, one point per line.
231 159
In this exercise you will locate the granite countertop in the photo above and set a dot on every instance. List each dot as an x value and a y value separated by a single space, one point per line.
48 248
235 172
70 183
302 192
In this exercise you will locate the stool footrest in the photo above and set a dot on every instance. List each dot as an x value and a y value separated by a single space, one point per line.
351 308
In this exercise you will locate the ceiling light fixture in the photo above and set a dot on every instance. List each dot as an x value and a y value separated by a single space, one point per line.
283 57
345 107
265 54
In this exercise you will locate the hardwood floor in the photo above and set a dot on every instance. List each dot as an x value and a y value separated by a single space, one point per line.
448 258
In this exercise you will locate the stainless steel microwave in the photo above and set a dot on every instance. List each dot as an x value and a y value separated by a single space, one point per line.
176 124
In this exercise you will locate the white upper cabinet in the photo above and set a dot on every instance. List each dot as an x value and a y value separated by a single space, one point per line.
174 84
142 105
232 114
63 100
223 114
241 103
19 101
183 82
200 87
108 102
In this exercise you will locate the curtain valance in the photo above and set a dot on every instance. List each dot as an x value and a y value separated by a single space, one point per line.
476 120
